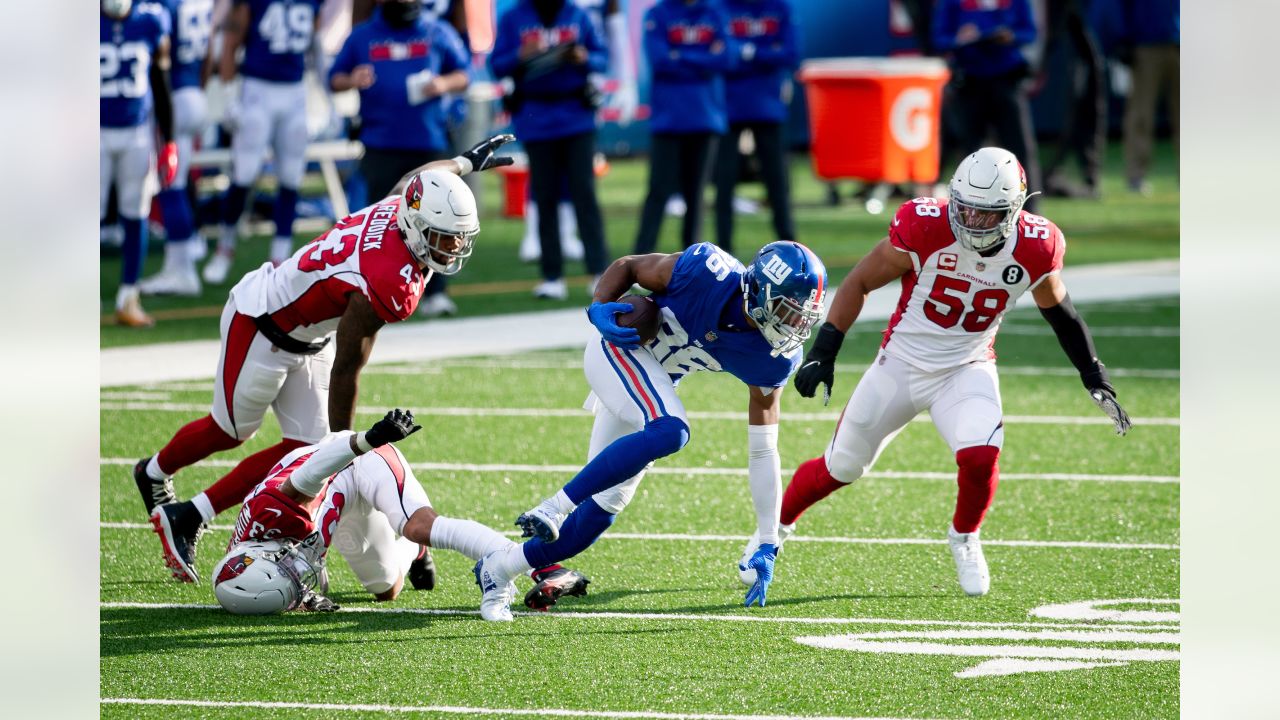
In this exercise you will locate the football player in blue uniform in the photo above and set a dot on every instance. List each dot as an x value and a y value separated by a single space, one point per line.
191 22
715 315
277 36
133 54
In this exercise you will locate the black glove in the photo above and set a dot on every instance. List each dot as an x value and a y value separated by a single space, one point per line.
1105 398
396 426
819 366
482 157
313 601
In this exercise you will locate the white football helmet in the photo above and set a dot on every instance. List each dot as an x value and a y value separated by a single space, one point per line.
439 219
987 193
116 8
269 576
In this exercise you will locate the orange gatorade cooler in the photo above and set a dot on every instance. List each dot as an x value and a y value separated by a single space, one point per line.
875 119
515 188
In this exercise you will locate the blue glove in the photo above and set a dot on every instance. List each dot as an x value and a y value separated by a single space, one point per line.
602 316
762 563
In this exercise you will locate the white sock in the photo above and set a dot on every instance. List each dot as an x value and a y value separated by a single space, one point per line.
281 249
466 536
205 507
196 250
227 239
125 294
511 562
561 502
153 468
568 223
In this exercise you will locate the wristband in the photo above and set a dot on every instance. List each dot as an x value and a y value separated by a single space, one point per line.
464 165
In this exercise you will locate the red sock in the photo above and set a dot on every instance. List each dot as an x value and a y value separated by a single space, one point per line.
233 486
979 474
196 441
811 483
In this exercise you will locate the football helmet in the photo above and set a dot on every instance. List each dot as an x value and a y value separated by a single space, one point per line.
439 220
269 576
117 8
987 193
784 287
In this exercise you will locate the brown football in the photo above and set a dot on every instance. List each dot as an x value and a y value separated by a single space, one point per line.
645 316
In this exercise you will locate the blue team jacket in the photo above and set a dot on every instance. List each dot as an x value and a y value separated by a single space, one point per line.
687 93
553 102
388 121
984 59
754 89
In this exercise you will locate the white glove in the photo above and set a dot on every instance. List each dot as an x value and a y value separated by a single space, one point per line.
625 99
231 112
419 87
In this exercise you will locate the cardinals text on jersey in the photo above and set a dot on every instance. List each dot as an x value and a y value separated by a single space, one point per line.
953 300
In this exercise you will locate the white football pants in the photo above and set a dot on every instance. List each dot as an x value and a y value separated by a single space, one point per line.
273 114
125 156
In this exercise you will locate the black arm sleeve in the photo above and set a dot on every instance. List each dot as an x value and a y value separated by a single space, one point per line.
163 98
1076 341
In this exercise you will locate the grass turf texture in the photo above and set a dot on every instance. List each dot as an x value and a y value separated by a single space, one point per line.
1121 226
365 655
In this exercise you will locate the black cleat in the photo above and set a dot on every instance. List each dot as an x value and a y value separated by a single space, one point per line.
178 543
551 583
154 492
422 571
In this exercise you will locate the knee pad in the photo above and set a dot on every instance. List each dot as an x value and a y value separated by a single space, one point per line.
666 435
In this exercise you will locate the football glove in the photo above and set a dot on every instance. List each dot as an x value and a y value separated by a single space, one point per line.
1105 398
819 366
396 426
167 164
762 562
313 601
602 315
481 155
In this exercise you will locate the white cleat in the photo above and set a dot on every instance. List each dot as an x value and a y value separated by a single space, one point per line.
497 592
551 290
971 566
437 305
172 282
542 522
748 575
215 271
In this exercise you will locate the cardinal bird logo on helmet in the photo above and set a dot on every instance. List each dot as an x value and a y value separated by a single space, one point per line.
413 193
233 567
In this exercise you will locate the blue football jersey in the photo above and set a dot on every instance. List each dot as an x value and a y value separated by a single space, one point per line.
192 25
278 37
703 283
125 52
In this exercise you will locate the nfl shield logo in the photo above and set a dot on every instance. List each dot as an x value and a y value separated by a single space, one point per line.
981 266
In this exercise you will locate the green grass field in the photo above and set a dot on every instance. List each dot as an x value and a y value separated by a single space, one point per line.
1081 515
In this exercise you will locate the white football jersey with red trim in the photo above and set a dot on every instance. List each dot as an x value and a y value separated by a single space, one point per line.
363 252
953 300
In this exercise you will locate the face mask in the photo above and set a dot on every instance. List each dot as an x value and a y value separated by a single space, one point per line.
401 14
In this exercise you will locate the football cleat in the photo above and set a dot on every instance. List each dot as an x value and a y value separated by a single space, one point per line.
437 305
542 522
216 270
971 565
179 547
551 290
745 572
496 591
553 582
130 313
422 571
172 282
154 492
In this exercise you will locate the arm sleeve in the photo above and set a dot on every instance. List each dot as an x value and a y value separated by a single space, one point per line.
330 457
506 48
1077 343
764 475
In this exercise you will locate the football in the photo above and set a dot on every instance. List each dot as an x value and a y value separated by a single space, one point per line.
645 316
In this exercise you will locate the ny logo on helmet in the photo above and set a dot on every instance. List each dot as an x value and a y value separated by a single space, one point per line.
776 269
413 193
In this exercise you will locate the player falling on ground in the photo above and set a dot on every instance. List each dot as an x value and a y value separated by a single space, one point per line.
133 57
715 315
963 263
354 492
368 270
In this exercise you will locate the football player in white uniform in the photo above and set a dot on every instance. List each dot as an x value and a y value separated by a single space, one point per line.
354 492
368 270
962 263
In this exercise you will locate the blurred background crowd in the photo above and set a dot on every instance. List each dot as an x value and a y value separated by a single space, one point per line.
224 119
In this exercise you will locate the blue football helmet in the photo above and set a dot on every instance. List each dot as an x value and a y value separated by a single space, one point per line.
784 287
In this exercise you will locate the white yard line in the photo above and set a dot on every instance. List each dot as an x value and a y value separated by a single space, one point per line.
683 537
1096 330
686 617
727 472
147 406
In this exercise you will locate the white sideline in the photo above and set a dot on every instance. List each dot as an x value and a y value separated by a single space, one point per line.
460 710
1063 544
149 406
523 332
690 617
730 472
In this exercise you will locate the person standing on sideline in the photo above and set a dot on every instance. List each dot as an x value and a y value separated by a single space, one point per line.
689 49
758 92
403 63
988 76
549 48
1153 29
1084 130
